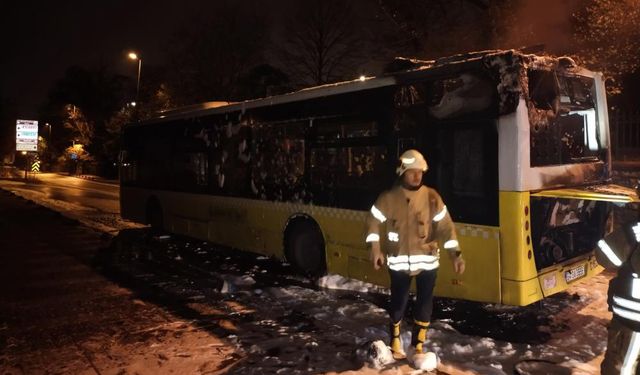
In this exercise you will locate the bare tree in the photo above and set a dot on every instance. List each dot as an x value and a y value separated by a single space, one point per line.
323 43
432 28
609 38
82 130
210 53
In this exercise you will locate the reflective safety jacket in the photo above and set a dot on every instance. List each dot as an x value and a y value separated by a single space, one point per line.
620 249
411 227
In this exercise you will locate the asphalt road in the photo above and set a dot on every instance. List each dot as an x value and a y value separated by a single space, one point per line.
102 196
93 203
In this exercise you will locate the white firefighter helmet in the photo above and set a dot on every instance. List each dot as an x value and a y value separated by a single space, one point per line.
411 159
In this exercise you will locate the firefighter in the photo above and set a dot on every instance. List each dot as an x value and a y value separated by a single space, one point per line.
408 225
619 250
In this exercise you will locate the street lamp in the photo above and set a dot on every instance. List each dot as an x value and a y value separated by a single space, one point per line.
134 56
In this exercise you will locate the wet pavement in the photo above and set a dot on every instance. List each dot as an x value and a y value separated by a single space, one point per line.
61 314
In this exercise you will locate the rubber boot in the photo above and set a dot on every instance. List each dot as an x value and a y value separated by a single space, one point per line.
419 335
396 344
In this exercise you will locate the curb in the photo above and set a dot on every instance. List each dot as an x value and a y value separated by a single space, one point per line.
96 179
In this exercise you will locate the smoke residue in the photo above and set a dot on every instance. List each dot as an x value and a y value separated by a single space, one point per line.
534 22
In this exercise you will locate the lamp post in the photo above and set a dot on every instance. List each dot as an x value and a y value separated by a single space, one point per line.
48 126
134 56
26 165
49 145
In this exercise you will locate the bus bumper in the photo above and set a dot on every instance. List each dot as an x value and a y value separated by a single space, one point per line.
560 277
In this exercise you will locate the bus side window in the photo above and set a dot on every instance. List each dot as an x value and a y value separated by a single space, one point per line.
468 174
469 163
408 114
190 161
348 176
155 159
279 162
128 161
229 157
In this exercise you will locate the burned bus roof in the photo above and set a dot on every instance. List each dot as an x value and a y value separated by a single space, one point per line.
414 70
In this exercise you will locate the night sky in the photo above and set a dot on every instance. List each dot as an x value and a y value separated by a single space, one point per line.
41 39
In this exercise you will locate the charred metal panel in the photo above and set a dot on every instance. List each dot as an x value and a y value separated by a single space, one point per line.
509 71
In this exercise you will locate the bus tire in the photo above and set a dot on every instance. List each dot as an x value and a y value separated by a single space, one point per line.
304 247
155 217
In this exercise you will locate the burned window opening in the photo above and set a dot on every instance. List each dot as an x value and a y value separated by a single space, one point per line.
544 89
562 229
563 120
457 96
408 96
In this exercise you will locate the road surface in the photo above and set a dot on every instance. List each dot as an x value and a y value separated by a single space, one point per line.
94 203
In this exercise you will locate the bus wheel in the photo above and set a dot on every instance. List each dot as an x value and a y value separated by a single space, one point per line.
304 247
154 216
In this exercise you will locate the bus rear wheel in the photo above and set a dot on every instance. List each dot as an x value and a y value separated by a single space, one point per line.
304 247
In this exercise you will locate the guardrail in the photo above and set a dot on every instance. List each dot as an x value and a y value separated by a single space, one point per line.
625 134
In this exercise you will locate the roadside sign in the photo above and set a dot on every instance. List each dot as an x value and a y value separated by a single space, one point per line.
35 167
26 135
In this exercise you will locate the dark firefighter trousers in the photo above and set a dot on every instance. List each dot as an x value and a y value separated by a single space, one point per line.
400 284
623 347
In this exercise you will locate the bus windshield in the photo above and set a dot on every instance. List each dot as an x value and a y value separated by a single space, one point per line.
564 121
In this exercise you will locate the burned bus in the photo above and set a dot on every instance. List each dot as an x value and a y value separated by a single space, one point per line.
517 144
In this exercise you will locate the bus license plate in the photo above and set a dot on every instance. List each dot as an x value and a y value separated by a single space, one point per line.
574 273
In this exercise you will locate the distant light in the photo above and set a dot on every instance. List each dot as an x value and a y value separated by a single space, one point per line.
133 104
362 78
23 152
133 56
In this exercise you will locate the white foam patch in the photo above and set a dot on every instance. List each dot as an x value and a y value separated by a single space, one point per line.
338 282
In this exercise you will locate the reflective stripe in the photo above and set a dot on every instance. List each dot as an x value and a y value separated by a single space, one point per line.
412 258
440 214
626 313
451 244
372 237
408 160
632 354
424 266
398 259
378 214
626 303
422 258
414 266
636 231
606 250
413 262
393 237
398 267
635 287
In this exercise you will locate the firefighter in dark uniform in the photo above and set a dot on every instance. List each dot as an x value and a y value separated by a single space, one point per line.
620 250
